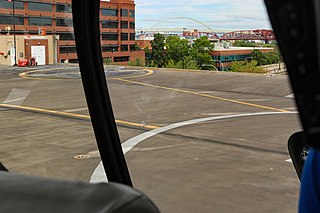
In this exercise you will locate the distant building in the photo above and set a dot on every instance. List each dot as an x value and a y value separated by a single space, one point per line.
51 20
223 57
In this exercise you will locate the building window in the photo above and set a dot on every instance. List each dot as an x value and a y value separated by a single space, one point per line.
110 36
33 32
124 12
124 48
64 8
109 12
38 21
124 36
64 36
67 49
8 5
39 7
8 20
131 13
132 36
64 22
109 24
124 25
109 48
121 59
132 47
132 25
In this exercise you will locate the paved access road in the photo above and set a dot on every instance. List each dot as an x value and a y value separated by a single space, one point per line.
195 141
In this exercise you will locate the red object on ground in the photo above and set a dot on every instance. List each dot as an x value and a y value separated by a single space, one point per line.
23 63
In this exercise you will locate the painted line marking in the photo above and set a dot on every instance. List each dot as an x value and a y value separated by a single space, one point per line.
99 175
13 100
215 114
149 72
17 96
76 110
207 92
25 74
289 160
291 108
203 95
254 100
72 115
290 96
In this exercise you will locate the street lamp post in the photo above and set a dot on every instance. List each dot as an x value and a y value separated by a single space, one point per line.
14 33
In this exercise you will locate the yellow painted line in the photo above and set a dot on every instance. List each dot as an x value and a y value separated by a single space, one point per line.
137 124
25 74
73 115
149 72
205 95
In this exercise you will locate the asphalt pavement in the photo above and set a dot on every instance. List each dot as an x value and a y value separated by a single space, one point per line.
195 141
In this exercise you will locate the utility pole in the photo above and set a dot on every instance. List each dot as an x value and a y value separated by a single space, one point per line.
14 33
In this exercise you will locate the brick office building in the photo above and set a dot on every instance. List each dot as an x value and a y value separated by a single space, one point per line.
54 18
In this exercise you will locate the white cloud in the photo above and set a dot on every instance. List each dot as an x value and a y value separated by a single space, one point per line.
232 14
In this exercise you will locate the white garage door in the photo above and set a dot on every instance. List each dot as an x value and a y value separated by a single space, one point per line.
39 53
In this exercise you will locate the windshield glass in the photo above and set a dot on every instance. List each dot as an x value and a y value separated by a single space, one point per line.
45 126
201 100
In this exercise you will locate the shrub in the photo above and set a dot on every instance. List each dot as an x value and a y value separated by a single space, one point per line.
249 67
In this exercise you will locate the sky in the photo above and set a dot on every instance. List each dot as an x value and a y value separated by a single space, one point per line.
215 14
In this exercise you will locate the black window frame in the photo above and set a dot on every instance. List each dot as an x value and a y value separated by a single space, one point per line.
18 5
132 36
124 47
124 12
121 59
132 47
8 20
109 12
109 48
124 37
66 8
132 25
132 13
39 18
124 25
67 49
109 36
109 24
63 22
35 6
65 36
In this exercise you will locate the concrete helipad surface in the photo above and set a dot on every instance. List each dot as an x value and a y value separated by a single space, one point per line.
194 141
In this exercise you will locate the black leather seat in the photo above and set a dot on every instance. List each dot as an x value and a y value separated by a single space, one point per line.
20 193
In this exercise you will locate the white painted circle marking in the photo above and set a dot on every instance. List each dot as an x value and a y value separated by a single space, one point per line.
99 175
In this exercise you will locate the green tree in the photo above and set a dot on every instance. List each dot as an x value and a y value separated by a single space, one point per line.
272 57
136 46
201 49
139 62
259 57
190 63
148 56
243 43
158 54
203 45
177 49
265 58
243 66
